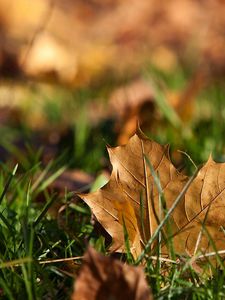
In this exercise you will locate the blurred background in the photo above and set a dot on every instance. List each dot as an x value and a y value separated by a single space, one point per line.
77 75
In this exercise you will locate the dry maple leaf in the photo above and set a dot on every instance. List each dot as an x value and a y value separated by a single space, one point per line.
197 218
107 278
131 180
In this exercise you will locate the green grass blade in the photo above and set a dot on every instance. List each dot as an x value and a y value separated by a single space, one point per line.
44 211
127 243
164 105
51 179
163 222
8 182
6 289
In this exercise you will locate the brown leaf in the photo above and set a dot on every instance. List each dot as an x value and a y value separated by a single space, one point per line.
197 216
130 181
136 101
107 278
130 103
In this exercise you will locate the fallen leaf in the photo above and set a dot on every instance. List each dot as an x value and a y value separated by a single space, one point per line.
43 60
131 180
104 278
137 101
197 218
129 103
